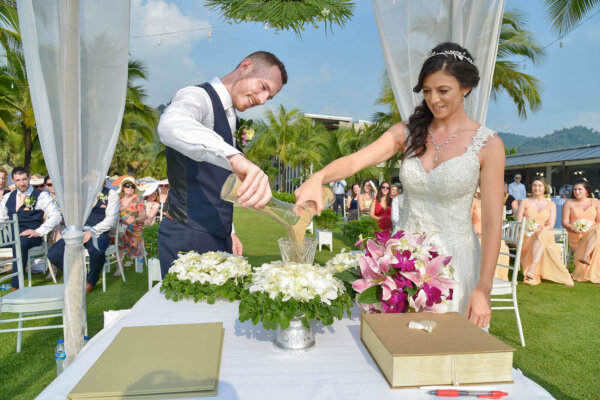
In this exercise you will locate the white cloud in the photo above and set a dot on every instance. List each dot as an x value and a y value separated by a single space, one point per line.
590 119
168 56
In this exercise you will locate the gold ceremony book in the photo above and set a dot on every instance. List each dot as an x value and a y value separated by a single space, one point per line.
156 362
456 351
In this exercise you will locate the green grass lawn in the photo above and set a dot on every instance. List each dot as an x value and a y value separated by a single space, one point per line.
560 324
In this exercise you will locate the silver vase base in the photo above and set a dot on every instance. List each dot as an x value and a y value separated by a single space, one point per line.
295 339
287 350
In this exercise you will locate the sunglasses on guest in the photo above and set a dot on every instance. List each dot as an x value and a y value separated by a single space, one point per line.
48 184
385 187
128 186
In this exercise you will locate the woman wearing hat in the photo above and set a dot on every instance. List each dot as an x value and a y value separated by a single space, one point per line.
132 214
151 203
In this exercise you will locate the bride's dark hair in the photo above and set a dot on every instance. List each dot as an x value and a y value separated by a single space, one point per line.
463 70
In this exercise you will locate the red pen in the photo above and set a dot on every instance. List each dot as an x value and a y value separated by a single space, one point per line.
494 394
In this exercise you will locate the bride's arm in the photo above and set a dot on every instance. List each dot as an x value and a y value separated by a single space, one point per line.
492 193
388 144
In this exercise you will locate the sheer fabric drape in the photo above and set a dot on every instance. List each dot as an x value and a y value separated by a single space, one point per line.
76 53
408 29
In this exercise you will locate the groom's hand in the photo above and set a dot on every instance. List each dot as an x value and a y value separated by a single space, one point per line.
255 190
236 245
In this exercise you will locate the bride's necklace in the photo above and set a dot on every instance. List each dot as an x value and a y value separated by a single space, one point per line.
445 142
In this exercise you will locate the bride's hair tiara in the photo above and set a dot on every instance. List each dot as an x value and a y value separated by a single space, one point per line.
457 54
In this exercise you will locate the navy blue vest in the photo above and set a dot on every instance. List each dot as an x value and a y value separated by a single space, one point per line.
29 217
98 213
194 197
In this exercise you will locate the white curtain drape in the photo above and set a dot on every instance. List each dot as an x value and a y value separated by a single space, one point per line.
76 53
409 29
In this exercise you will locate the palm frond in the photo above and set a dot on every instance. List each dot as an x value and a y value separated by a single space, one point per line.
566 14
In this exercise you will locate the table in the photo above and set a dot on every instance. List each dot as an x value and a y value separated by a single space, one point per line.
338 368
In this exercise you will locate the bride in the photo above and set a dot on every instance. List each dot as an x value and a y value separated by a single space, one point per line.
445 155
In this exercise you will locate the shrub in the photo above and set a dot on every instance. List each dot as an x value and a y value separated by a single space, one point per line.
285 196
327 220
150 235
365 226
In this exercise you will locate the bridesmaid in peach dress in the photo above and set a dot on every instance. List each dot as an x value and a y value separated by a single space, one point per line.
540 255
585 257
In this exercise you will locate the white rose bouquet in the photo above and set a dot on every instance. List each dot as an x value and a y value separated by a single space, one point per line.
530 226
582 226
206 276
281 291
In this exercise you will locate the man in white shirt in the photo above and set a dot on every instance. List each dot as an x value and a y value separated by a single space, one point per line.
102 219
198 129
339 189
517 189
30 205
397 203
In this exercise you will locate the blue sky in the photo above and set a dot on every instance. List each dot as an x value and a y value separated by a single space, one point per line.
340 73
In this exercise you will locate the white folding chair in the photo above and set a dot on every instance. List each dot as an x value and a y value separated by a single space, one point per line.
325 238
39 252
154 272
31 303
112 257
512 232
310 227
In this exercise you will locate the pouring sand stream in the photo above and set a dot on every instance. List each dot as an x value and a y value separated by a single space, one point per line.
299 216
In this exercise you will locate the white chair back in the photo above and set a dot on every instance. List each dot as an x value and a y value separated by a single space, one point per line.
9 236
513 233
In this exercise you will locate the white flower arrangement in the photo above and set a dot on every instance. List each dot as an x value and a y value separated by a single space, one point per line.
303 282
530 226
343 261
582 225
282 291
206 276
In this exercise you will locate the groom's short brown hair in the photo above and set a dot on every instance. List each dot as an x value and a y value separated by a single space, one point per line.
264 58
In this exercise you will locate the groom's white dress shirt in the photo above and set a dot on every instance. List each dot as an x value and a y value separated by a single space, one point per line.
187 125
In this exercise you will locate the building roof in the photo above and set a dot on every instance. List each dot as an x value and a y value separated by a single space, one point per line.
588 152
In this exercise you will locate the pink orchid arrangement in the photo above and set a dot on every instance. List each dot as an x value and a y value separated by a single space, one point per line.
402 273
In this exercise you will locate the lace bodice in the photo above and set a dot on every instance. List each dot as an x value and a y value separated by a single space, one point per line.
440 201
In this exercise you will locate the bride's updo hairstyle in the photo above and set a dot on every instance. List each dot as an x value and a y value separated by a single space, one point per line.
456 61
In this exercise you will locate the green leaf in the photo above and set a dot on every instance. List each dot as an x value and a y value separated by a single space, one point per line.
370 295
349 275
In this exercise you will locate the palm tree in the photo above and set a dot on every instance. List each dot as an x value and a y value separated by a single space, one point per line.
286 137
515 41
566 14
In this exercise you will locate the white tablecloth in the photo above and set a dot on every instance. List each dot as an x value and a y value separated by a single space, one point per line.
338 368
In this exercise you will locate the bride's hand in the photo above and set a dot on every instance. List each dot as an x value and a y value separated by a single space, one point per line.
311 191
479 310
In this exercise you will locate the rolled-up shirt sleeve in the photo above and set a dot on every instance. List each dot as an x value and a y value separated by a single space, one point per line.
45 204
186 126
111 214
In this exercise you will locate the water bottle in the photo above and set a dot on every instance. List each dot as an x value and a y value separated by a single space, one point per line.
139 265
5 286
60 356
85 340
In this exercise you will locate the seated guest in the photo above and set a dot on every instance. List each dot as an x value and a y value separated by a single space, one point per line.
151 204
582 206
540 255
381 208
29 205
132 214
164 194
102 218
476 213
3 182
352 202
511 205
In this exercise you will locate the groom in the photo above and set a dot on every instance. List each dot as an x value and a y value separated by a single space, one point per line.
198 129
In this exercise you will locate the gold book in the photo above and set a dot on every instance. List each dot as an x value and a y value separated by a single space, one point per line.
156 362
456 351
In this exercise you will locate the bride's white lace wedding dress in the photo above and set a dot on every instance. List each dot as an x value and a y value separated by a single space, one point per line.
440 201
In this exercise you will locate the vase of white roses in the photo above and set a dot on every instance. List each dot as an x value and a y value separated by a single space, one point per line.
287 296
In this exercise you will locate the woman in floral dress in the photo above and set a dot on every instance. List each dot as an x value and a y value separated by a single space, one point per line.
132 216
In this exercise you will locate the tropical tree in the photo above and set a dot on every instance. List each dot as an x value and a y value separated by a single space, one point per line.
567 14
285 137
515 41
